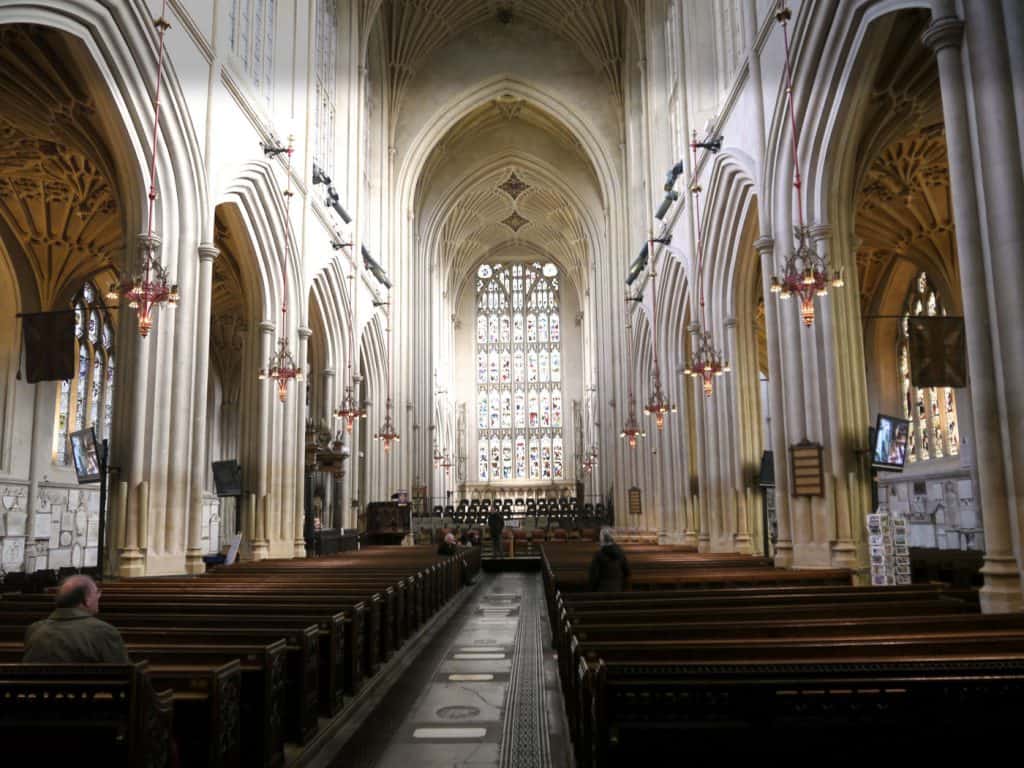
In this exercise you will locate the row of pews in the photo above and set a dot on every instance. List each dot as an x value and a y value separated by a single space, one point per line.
718 658
229 666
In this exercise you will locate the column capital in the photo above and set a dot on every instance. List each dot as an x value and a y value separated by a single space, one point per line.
267 326
208 252
327 372
729 322
820 231
693 328
947 32
305 333
764 245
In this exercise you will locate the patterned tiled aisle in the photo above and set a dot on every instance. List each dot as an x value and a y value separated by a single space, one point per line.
492 698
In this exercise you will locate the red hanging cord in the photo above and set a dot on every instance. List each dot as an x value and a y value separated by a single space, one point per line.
783 17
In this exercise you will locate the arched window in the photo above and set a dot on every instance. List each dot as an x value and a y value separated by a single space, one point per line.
87 400
518 346
934 427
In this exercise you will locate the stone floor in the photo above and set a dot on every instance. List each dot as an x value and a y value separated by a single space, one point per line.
483 693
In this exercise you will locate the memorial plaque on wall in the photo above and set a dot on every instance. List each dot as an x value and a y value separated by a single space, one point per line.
808 471
634 501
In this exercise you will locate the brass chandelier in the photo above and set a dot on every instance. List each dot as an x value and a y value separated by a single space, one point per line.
658 404
147 285
706 361
350 409
388 434
631 430
805 273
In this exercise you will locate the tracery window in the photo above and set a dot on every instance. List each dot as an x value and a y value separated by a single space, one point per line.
934 428
326 90
251 35
519 372
87 400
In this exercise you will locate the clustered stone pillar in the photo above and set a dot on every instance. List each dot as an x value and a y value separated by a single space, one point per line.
1002 589
194 553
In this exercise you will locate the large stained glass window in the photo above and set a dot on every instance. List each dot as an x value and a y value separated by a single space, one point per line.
934 428
519 372
88 399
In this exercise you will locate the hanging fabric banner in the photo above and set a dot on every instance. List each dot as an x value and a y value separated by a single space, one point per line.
49 346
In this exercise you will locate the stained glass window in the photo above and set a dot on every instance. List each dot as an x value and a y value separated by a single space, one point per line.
87 400
326 92
252 40
519 397
934 429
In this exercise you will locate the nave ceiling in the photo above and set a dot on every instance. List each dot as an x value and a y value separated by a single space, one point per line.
57 190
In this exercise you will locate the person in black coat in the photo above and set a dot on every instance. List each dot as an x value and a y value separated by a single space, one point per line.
496 522
609 570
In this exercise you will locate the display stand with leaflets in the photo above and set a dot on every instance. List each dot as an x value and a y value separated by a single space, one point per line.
888 548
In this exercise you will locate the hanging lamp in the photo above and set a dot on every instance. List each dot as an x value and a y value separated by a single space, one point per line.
658 404
805 272
147 286
281 367
707 361
350 409
387 433
631 430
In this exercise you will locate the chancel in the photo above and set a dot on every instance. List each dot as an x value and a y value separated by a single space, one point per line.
343 341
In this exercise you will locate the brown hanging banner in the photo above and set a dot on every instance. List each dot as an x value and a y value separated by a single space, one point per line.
49 339
938 352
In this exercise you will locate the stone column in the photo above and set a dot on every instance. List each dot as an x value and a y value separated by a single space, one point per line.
784 545
260 543
996 127
704 524
194 554
1002 590
299 521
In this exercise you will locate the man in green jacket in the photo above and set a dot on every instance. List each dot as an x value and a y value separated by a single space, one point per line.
72 633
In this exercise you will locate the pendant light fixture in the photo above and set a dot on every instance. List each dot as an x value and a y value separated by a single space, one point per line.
147 286
631 430
388 434
281 367
707 361
350 409
658 404
805 272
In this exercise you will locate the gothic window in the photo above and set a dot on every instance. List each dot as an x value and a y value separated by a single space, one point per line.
934 427
87 400
252 41
518 347
326 66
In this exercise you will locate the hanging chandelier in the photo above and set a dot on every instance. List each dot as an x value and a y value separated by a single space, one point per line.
350 409
590 460
707 361
446 464
805 273
631 430
658 404
388 434
281 367
147 286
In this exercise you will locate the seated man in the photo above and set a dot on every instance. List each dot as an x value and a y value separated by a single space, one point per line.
609 570
448 546
72 633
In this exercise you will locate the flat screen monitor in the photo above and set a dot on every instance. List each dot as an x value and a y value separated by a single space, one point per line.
889 446
227 477
85 454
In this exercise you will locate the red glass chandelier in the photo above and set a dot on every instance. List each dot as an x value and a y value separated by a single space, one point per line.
281 367
350 409
707 361
658 404
147 286
631 430
388 434
805 272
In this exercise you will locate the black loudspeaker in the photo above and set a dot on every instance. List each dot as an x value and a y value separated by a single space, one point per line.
227 477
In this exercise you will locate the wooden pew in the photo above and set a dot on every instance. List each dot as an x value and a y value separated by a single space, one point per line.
53 714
